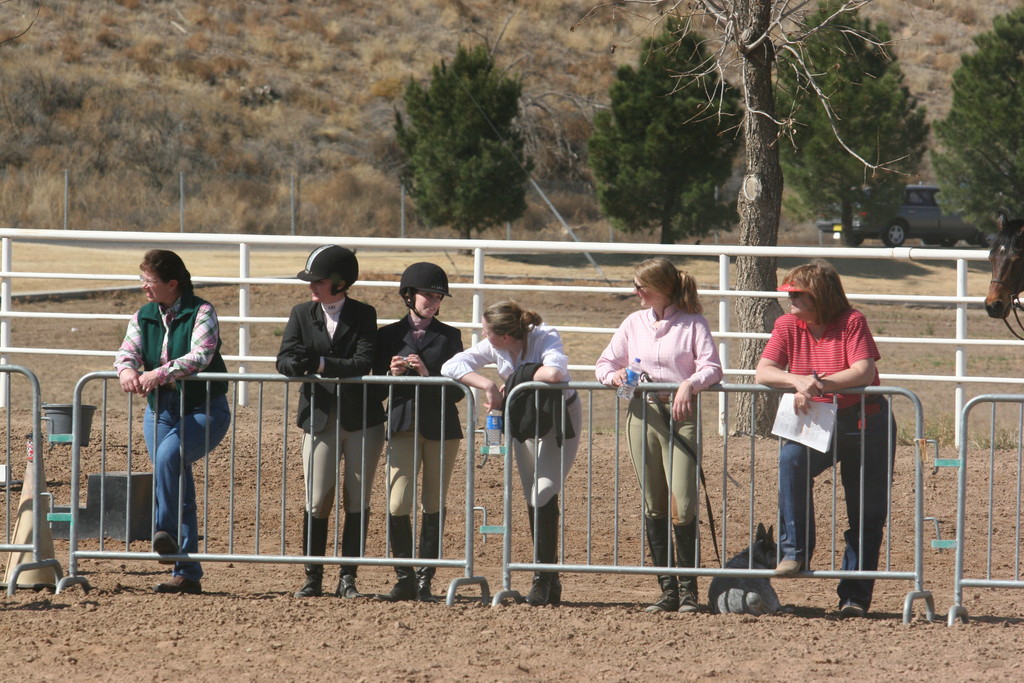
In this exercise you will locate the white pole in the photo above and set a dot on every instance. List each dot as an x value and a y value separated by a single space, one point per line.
961 351
478 294
723 326
6 247
244 269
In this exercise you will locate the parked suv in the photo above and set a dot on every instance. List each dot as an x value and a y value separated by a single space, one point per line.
919 216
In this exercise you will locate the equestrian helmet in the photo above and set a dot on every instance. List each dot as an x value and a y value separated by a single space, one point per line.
423 277
331 262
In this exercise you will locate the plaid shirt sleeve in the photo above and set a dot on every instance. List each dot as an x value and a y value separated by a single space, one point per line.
205 335
130 353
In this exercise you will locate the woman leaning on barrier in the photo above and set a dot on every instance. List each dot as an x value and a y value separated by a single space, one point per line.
424 429
173 336
333 335
822 346
673 341
524 349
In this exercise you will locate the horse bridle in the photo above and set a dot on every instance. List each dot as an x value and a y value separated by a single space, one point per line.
1015 304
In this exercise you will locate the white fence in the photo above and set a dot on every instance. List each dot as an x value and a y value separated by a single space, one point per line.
951 305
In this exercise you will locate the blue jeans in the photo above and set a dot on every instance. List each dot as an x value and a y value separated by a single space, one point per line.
165 432
799 465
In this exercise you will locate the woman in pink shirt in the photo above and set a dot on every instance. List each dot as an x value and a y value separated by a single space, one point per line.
673 341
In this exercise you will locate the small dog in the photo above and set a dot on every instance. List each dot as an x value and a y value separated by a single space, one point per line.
748 595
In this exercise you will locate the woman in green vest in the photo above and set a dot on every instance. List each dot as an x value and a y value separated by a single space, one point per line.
176 334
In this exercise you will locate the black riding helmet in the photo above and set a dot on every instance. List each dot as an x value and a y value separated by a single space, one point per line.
334 263
422 277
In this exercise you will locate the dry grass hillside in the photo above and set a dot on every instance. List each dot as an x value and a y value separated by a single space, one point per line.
245 105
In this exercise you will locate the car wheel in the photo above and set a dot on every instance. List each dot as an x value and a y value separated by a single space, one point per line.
949 242
851 240
895 234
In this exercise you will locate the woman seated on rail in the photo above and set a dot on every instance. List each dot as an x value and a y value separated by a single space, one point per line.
525 349
173 336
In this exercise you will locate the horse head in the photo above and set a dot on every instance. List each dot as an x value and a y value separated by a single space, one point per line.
1007 258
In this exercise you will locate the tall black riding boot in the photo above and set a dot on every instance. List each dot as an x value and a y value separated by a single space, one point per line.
657 539
686 556
356 524
430 547
546 588
400 530
314 542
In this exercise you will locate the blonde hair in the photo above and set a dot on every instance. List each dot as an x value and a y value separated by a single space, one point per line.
820 281
508 317
679 286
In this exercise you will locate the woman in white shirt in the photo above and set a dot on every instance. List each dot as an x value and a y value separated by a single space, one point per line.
673 341
514 337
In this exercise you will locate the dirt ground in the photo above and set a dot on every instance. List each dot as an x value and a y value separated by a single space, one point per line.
247 625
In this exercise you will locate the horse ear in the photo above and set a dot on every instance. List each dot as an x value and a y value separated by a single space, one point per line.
1001 219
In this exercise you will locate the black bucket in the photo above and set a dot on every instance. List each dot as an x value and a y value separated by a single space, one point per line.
59 416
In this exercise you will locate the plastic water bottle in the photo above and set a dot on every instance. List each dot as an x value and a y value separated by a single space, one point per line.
627 388
494 429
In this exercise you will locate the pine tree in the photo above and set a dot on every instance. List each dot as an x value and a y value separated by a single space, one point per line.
980 164
872 112
661 150
465 166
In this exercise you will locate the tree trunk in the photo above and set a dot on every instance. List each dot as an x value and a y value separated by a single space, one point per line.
760 203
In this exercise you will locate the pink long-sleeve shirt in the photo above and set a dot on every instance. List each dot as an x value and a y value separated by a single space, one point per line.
679 348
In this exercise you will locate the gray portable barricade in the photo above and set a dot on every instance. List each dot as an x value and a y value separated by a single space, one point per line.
228 532
17 514
745 487
989 537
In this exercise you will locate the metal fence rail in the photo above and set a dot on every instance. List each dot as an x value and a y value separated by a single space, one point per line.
231 530
954 302
25 525
981 536
747 491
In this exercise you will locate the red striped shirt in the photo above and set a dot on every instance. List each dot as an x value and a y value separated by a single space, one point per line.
845 341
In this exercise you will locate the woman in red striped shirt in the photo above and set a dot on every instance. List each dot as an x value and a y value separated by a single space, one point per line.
820 347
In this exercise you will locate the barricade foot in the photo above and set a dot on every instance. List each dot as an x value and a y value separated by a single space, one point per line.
501 596
956 613
453 587
908 605
43 569
72 581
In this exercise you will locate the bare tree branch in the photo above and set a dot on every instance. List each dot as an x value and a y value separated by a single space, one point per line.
786 32
26 29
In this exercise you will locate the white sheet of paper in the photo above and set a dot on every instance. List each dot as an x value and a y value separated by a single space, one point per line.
813 428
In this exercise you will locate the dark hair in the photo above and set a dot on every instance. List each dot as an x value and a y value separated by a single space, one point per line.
508 317
820 280
167 266
678 285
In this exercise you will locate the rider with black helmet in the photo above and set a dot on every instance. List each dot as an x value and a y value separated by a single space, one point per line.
333 335
419 344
